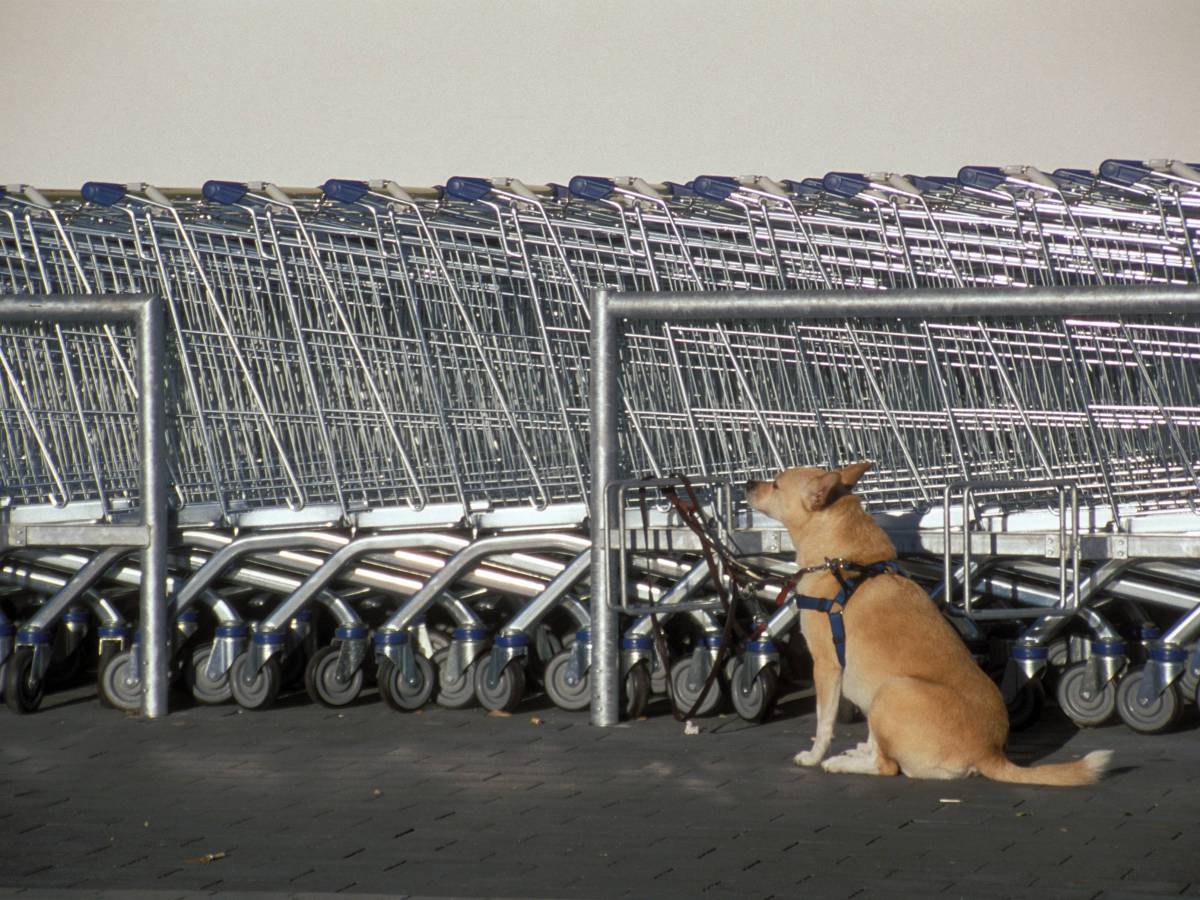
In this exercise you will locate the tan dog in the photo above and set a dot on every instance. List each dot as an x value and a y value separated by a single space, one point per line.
932 711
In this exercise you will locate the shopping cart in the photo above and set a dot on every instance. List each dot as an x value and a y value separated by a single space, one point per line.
364 358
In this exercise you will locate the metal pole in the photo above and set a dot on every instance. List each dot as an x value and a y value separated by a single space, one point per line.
156 636
913 304
605 670
145 313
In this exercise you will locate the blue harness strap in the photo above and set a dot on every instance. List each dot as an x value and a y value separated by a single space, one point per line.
849 584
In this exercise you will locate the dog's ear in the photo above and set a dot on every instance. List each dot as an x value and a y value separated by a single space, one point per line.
851 473
822 490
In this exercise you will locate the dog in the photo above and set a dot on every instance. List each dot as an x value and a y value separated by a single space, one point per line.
932 711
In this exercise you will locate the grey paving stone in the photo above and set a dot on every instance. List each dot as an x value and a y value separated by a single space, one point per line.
460 804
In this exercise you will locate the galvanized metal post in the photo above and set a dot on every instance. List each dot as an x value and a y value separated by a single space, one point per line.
156 629
608 310
145 313
605 670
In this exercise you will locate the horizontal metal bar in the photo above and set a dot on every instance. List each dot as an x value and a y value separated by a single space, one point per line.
932 541
947 303
1005 615
98 535
85 308
645 609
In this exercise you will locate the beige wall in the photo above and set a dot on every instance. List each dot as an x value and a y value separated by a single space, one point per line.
295 91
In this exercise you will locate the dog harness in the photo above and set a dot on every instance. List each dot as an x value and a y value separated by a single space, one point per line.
849 584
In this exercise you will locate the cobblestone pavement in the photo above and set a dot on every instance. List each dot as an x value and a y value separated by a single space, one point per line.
306 801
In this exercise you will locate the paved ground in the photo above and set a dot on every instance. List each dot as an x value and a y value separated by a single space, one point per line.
305 801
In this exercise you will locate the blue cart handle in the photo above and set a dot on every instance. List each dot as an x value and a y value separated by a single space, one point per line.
226 192
469 190
102 193
345 190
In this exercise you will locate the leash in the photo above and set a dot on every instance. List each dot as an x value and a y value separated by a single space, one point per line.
746 581
692 520
715 555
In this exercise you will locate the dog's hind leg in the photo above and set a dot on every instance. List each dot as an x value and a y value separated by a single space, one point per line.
924 728
828 681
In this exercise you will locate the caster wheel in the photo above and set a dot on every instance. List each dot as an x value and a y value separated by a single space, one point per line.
322 684
107 653
686 695
506 694
571 697
262 689
398 693
453 693
636 693
755 703
1026 707
1085 707
1155 717
1189 685
114 684
195 675
22 692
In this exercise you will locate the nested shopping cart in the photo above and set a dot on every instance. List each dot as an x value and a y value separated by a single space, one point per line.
379 407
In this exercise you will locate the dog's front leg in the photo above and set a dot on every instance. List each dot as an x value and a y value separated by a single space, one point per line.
828 682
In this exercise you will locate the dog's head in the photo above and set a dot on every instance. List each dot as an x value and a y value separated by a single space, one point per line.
796 494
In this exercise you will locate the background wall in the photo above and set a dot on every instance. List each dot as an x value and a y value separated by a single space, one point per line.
295 91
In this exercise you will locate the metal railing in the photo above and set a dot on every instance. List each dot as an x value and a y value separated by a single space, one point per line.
148 531
608 310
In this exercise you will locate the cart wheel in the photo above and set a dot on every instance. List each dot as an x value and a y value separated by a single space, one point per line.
1189 684
1155 717
206 690
22 692
1085 707
686 695
107 653
114 687
322 684
398 693
1026 707
571 697
509 689
263 688
637 691
457 693
756 703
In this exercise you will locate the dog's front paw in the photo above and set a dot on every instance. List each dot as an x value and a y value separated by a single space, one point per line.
807 758
843 763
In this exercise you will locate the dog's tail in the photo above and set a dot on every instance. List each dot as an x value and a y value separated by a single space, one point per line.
1082 771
